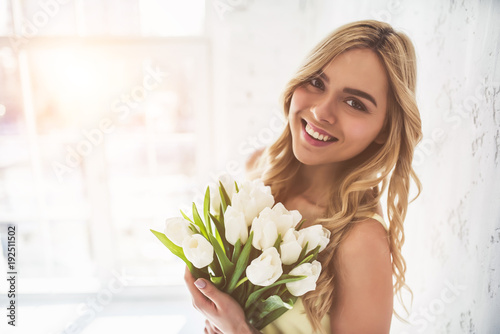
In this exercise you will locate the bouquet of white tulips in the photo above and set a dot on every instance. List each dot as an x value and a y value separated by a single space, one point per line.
249 248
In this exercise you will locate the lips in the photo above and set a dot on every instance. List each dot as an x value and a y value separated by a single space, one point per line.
317 134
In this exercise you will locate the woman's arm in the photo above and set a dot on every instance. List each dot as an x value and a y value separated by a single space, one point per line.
223 313
364 293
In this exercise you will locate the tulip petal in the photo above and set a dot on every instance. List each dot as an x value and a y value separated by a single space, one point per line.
198 250
177 251
283 280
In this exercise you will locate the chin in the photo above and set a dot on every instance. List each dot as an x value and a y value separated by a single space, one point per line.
308 158
302 157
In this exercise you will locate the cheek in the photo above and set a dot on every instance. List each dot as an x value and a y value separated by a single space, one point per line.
363 132
298 101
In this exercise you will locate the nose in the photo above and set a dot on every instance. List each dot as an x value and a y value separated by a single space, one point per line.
324 111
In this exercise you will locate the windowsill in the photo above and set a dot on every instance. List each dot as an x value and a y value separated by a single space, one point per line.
123 287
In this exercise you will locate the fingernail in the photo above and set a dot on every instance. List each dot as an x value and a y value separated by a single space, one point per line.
200 284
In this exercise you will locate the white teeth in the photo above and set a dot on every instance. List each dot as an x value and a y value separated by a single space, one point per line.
316 135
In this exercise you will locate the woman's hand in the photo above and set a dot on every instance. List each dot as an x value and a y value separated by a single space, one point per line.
211 328
224 315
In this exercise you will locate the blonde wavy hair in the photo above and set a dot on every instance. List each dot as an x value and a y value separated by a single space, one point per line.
380 167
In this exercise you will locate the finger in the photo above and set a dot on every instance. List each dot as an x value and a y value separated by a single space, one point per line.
210 291
200 302
216 329
188 277
212 328
208 327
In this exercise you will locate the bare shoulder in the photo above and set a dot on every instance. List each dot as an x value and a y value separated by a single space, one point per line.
365 253
364 298
364 238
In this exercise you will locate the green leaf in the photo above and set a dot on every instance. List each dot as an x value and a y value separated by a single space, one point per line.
259 324
241 264
241 281
273 315
220 234
313 254
273 303
193 229
220 228
223 203
192 226
218 237
217 280
177 251
206 210
186 217
299 225
236 187
254 296
199 222
265 311
240 293
277 244
216 269
236 251
226 265
303 252
225 200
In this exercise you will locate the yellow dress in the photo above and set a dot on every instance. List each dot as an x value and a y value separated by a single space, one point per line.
295 320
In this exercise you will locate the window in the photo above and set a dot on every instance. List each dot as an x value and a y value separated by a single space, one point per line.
103 113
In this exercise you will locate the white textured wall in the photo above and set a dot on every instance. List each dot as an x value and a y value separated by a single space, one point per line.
453 228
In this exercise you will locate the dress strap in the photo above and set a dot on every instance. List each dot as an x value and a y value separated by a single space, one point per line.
381 220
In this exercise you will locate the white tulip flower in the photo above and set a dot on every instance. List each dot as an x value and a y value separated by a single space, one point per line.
177 229
290 247
236 226
264 230
315 235
266 269
198 250
228 183
282 218
252 198
300 287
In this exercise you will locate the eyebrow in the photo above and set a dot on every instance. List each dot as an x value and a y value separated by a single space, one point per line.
360 93
352 91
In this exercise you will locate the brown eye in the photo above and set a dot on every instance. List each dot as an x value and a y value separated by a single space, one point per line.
317 83
356 104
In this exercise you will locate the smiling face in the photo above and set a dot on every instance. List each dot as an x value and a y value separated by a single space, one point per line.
336 115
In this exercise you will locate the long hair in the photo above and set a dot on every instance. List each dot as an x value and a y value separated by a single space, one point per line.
381 167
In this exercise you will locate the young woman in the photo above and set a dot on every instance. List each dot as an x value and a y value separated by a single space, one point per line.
353 124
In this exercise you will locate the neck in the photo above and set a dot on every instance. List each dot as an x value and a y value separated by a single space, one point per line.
314 183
